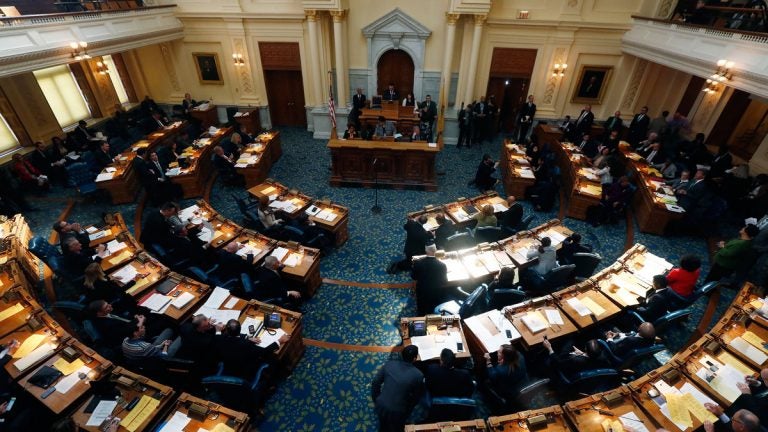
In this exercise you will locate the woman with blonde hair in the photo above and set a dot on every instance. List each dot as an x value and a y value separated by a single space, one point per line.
485 217
99 287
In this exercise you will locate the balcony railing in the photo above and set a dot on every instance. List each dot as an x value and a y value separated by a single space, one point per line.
721 32
70 17
750 19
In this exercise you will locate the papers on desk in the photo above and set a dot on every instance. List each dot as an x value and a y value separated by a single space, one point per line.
433 145
503 259
115 246
632 421
218 315
756 355
723 380
98 235
248 249
556 236
29 345
590 189
11 311
257 323
526 173
241 165
91 229
173 172
231 303
286 206
456 270
327 215
176 423
534 321
189 212
755 341
488 258
182 300
125 274
205 234
493 329
312 210
268 339
217 297
66 384
460 214
101 412
431 345
688 399
280 253
38 354
651 266
293 260
592 305
68 368
157 302
474 265
110 169
105 176
554 317
141 412
499 208
578 306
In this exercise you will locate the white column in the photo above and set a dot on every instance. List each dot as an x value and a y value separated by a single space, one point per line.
473 55
338 51
314 55
450 39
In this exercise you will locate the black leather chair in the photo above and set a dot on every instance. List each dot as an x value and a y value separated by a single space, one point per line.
590 381
251 291
473 304
556 279
488 234
521 401
212 278
169 257
442 409
238 393
525 223
665 321
462 240
501 297
632 357
585 263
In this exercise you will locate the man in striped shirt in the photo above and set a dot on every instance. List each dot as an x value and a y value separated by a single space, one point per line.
135 347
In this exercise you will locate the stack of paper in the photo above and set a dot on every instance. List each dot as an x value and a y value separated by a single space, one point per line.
29 345
534 321
173 172
525 173
176 423
293 260
555 235
125 274
11 311
216 298
474 265
156 302
66 383
578 306
755 341
115 246
101 412
187 213
248 249
456 270
554 317
268 339
328 215
141 412
105 176
182 300
460 214
68 368
499 208
280 253
38 354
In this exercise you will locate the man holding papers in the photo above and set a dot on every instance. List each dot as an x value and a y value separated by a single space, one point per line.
621 343
271 286
747 402
231 348
741 421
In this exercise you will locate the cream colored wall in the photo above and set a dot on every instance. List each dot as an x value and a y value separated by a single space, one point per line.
30 104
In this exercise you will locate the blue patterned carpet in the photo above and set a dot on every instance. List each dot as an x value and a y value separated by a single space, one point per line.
330 389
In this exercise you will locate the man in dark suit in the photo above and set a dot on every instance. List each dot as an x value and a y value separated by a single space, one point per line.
159 121
270 283
188 103
102 156
83 135
612 142
484 179
396 389
482 113
430 275
752 398
112 328
157 229
232 347
445 229
232 265
513 215
428 113
48 164
696 194
358 99
525 118
741 420
622 343
197 341
638 128
391 94
416 237
77 258
653 155
67 230
584 121
465 126
573 360
445 380
587 147
613 123
142 169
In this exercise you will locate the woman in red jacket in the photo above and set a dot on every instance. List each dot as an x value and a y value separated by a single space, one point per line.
682 279
28 174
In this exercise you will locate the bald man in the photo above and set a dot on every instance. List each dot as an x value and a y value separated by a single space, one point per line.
748 401
622 343
741 421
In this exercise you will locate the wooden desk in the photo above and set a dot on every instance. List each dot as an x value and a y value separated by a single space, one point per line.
143 264
556 421
181 285
586 294
643 264
443 331
487 332
339 226
19 299
256 243
656 379
236 420
553 229
472 266
207 117
735 330
277 193
517 248
584 413
621 286
130 386
583 187
249 120
267 150
122 256
405 118
723 387
305 276
224 230
516 171
463 426
59 402
194 178
537 308
398 165
54 336
291 323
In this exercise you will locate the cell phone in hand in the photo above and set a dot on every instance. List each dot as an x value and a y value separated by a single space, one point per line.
10 404
251 330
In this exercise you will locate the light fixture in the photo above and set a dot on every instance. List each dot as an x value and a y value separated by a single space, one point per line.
79 50
102 68
723 72
711 86
238 59
559 70
522 14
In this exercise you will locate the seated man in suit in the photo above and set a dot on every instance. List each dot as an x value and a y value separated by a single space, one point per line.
102 157
445 229
513 215
225 164
77 258
568 128
112 328
444 379
391 94
574 360
622 343
431 275
48 164
232 265
383 128
612 142
415 135
157 228
571 245
484 179
653 155
681 183
741 420
232 348
271 285
587 147
71 229
197 340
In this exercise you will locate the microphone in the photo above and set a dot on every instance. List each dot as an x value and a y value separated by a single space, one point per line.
375 160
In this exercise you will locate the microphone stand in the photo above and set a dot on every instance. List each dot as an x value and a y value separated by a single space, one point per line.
376 209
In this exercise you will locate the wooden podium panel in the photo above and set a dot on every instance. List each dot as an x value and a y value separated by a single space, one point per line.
518 422
398 164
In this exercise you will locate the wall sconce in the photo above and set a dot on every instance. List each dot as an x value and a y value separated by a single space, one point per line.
102 68
723 72
238 59
559 70
711 87
79 50
522 14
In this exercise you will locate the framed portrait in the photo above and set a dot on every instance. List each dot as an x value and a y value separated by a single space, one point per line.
591 85
208 69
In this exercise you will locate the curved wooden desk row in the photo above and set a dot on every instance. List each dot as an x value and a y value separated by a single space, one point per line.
45 343
333 218
516 171
257 158
460 212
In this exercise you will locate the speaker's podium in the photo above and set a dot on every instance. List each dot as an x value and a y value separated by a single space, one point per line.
405 117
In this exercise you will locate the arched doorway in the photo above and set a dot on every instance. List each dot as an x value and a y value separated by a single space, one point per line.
395 66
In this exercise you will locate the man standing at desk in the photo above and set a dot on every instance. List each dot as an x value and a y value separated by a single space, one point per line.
391 94
428 113
527 111
397 387
431 275
358 99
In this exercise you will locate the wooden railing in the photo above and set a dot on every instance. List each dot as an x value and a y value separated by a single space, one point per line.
62 17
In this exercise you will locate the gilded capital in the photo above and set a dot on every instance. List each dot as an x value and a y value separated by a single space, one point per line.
480 19
338 15
311 14
452 18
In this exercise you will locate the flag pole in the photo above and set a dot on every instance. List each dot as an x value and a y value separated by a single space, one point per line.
331 106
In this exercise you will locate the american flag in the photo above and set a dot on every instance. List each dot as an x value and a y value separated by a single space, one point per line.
331 107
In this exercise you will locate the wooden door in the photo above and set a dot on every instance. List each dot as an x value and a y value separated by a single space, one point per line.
285 91
510 94
692 93
396 66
